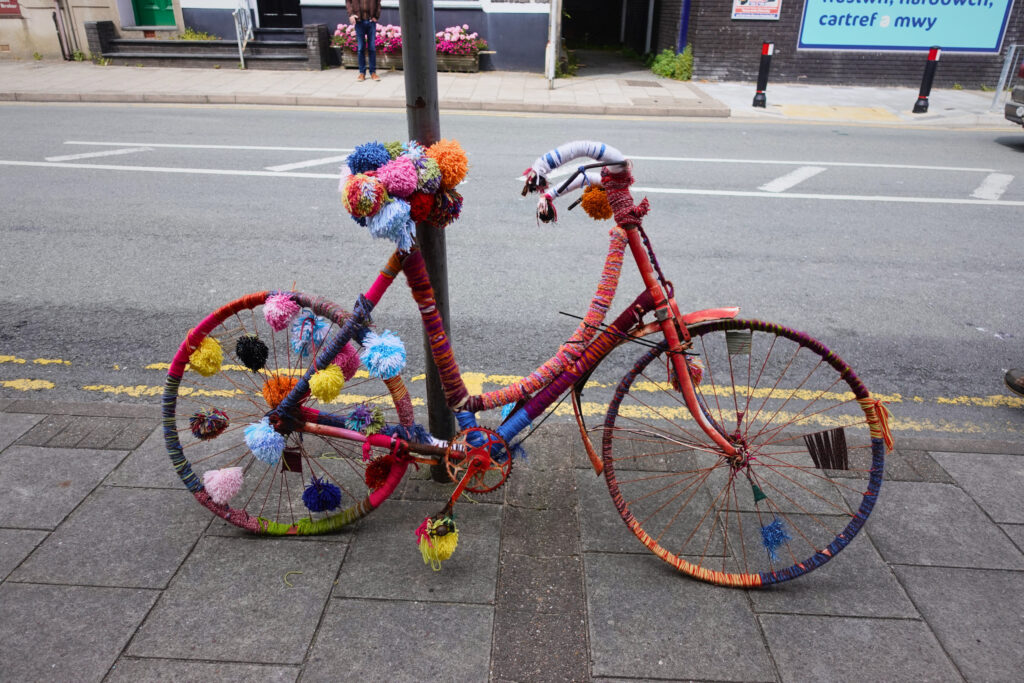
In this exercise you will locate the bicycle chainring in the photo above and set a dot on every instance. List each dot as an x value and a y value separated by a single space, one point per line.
461 451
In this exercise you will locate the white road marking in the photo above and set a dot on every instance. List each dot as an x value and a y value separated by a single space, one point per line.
307 164
105 153
791 179
164 169
781 162
993 186
177 146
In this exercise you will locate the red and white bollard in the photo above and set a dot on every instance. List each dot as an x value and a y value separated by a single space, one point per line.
762 74
921 106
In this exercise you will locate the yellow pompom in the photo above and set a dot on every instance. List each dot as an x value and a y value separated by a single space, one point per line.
326 384
595 203
207 358
451 159
436 549
276 387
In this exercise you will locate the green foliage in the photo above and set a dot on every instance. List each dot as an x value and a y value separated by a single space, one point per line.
100 60
78 56
987 88
957 86
192 34
671 65
36 56
568 67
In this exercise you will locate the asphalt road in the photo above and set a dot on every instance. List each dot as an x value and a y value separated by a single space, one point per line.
900 248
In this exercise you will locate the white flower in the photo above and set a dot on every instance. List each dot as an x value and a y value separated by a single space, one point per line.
465 26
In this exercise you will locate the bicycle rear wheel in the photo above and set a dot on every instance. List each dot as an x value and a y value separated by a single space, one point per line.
809 470
319 483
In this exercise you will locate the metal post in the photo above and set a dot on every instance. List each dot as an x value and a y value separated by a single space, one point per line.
762 74
1003 75
921 106
424 125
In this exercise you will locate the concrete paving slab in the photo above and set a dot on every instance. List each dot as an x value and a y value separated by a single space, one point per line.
15 546
66 633
976 616
541 489
938 525
545 585
995 482
539 647
231 602
647 621
816 648
131 670
601 526
14 425
385 563
540 533
401 641
131 538
148 466
43 485
1015 532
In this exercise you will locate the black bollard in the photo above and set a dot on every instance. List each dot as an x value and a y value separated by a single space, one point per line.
921 106
762 74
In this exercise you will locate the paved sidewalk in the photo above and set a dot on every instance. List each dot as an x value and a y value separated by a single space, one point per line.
628 93
109 570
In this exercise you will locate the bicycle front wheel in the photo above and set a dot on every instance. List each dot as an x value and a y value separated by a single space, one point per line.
808 469
245 367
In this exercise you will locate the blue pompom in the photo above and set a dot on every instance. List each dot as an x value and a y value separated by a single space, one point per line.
383 354
321 495
308 331
394 222
264 442
773 536
368 157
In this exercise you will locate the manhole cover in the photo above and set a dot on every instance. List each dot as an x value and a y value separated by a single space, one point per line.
642 84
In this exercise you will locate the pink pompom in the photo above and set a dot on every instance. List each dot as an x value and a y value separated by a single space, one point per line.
399 177
279 309
348 361
222 485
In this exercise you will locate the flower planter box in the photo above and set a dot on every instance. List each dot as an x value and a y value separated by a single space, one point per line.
385 61
463 63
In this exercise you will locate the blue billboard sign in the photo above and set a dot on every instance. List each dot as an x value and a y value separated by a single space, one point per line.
953 25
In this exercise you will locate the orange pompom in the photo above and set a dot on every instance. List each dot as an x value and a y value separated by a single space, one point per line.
451 158
595 203
276 387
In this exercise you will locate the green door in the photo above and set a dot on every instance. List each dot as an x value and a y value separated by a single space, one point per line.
153 12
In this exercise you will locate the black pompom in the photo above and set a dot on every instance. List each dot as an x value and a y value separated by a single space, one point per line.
252 352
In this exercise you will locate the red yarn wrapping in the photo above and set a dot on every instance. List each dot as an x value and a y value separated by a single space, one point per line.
420 205
617 186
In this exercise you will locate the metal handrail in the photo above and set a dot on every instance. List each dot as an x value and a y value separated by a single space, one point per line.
1007 75
243 28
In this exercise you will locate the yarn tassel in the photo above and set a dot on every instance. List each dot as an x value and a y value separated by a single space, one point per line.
878 420
773 536
208 424
325 385
222 485
383 354
264 441
253 353
437 540
207 358
321 495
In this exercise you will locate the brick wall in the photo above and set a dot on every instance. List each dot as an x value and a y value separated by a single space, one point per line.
724 49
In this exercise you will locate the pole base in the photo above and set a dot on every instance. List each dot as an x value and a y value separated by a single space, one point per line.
921 106
760 100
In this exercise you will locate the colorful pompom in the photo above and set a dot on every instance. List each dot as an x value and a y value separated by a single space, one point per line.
451 159
251 350
368 157
264 441
278 310
413 150
326 384
383 354
308 332
376 422
206 359
222 485
399 177
207 424
321 495
276 387
394 149
393 222
377 472
773 536
429 175
363 195
447 208
359 419
420 206
437 540
595 203
348 360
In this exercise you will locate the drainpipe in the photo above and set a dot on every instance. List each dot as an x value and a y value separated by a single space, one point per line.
650 26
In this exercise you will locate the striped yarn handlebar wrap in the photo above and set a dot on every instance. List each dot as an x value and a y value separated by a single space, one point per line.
616 184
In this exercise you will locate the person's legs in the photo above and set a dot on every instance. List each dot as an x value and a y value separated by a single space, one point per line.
371 46
361 46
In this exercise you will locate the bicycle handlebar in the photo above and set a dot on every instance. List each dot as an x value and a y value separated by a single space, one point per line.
536 175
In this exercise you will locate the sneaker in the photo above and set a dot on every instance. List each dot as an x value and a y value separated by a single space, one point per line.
375 77
362 77
1015 381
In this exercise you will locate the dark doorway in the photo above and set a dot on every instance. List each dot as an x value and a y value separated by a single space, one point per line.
592 23
279 13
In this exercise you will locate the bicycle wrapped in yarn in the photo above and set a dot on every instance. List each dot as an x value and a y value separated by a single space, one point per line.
742 452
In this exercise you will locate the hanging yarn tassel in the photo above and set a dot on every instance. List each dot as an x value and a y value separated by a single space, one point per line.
413 150
595 203
447 207
308 331
429 175
377 472
773 536
420 206
207 424
207 358
376 422
326 384
363 195
394 149
222 485
359 419
383 354
399 177
694 365
264 441
368 157
348 360
437 540
393 222
251 350
321 495
451 160
276 387
278 310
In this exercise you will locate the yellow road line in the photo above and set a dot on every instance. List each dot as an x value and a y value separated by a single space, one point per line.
37 361
27 384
